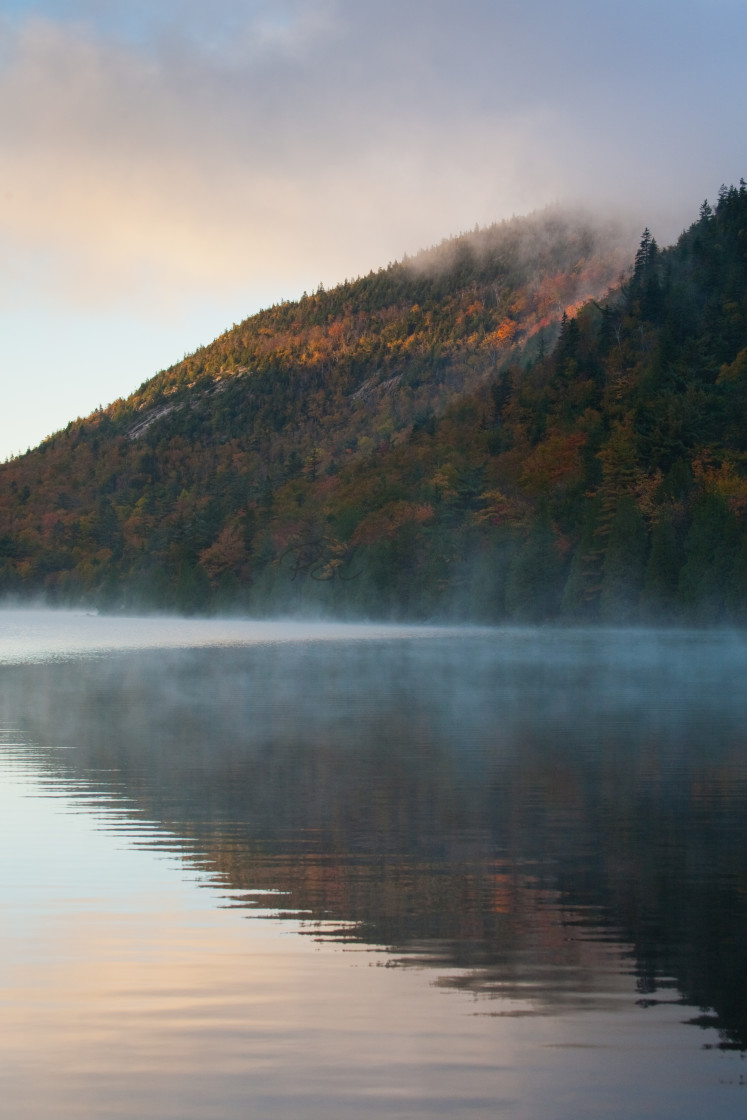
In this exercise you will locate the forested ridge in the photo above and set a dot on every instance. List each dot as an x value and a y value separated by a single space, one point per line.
488 431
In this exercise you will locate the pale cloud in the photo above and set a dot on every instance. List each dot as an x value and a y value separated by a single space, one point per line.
153 154
131 175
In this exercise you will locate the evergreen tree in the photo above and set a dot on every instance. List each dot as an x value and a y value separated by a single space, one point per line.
580 594
711 552
624 564
534 581
662 570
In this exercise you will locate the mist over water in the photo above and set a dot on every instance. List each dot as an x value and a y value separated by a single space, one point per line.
544 830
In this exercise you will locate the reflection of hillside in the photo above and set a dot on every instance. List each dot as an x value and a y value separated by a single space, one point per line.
467 806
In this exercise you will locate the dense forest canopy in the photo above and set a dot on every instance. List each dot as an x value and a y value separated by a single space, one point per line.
511 425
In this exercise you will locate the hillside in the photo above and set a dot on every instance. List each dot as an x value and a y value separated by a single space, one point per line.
415 443
123 505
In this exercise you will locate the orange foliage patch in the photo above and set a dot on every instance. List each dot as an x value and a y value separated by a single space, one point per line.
500 510
226 553
385 522
505 333
556 460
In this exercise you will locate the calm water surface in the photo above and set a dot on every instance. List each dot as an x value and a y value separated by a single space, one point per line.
258 870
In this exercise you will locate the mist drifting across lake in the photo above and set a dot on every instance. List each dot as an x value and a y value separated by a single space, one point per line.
320 870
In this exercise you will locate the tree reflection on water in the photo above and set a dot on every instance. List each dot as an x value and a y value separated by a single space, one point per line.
521 813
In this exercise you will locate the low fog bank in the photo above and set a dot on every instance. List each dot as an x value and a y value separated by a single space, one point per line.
36 631
255 674
40 633
709 655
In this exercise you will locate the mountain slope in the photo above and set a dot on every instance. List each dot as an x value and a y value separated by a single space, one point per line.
607 481
168 498
415 444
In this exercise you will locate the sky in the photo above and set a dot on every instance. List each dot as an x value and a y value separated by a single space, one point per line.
168 169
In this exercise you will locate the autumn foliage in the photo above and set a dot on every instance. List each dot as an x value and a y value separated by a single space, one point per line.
500 428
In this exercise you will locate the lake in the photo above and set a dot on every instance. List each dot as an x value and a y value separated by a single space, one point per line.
298 870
